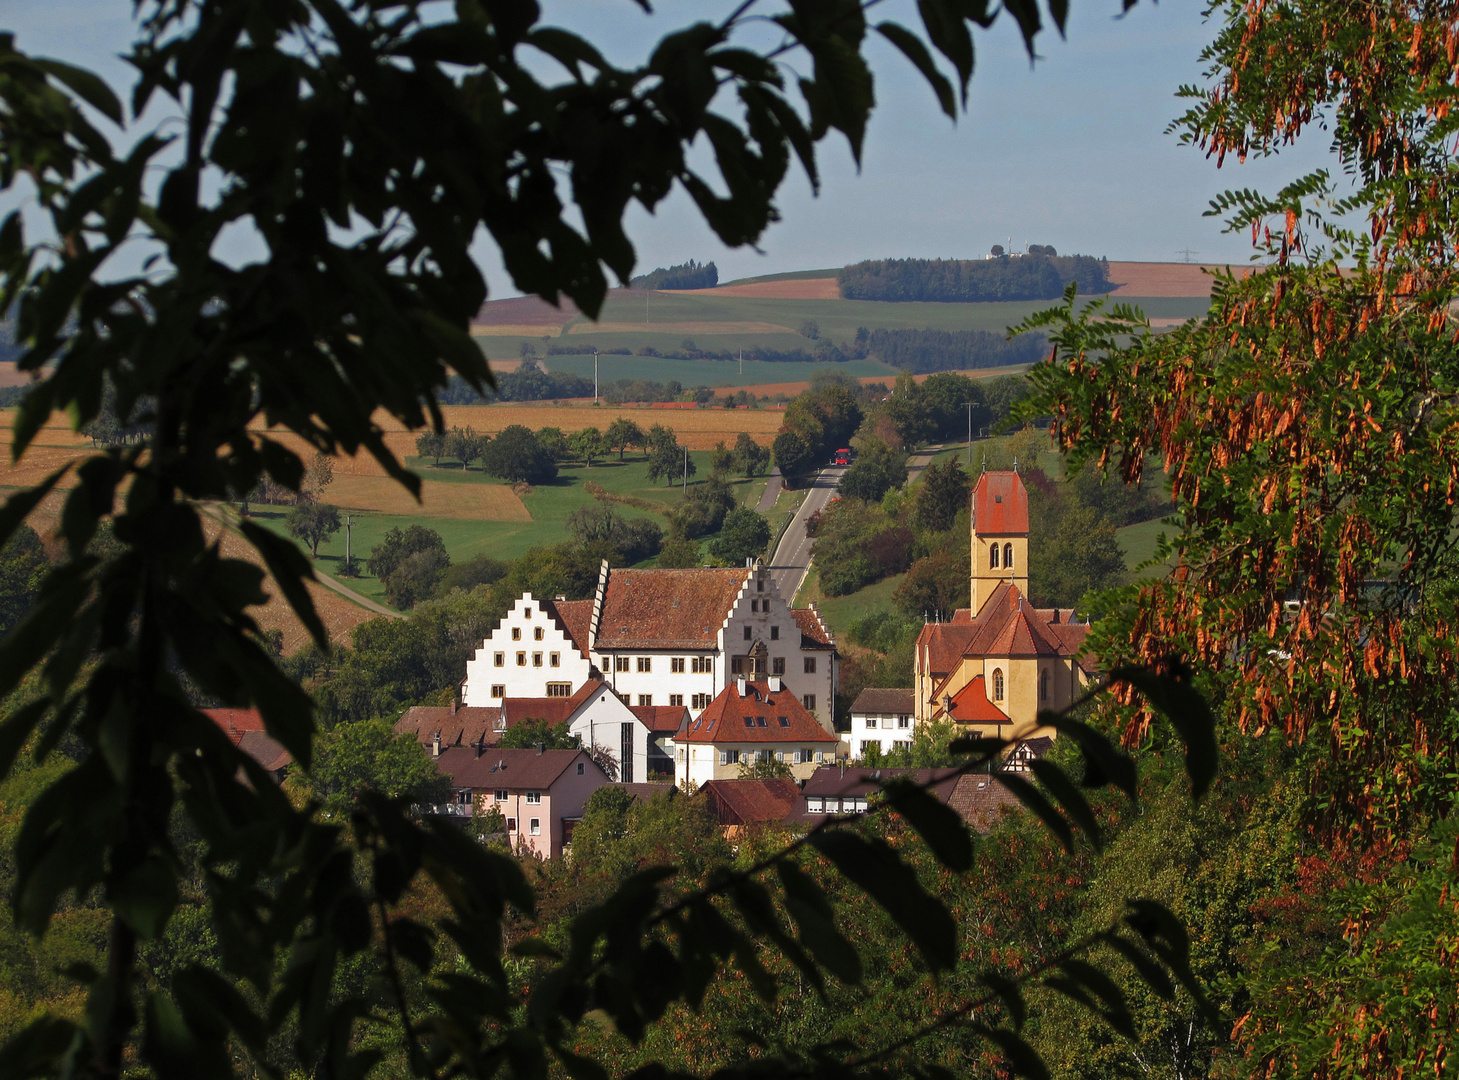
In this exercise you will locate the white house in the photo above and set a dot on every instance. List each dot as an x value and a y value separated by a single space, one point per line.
883 717
539 649
749 721
597 716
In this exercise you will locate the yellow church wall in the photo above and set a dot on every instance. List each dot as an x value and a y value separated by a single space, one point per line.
985 577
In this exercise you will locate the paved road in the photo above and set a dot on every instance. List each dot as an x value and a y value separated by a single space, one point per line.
918 463
793 555
772 492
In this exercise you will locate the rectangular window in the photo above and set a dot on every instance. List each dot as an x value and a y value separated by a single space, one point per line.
559 689
676 665
737 665
747 633
536 827
537 633
754 605
777 666
676 701
554 659
516 633
620 663
645 663
865 745
644 699
501 796
521 659
810 665
681 753
784 721
536 659
759 584
820 756
871 721
702 665
534 796
809 701
699 701
904 721
775 633
500 659
815 806
498 690
734 757
764 757
511 824
527 611
625 750
581 768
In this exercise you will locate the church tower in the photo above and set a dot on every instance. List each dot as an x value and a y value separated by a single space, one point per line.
1000 535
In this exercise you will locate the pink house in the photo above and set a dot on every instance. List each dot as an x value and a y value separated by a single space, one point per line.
541 793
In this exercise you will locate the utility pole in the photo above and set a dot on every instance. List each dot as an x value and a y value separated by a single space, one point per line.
347 557
595 376
686 470
969 404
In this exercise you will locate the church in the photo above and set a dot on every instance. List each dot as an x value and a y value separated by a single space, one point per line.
996 663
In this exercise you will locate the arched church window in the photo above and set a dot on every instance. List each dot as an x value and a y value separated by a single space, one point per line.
997 684
1008 556
1044 685
993 556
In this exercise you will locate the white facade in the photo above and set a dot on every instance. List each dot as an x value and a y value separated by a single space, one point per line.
603 720
757 634
529 654
885 730
700 762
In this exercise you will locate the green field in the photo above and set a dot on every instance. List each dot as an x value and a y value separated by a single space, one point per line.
793 275
640 316
1138 544
713 373
549 505
841 611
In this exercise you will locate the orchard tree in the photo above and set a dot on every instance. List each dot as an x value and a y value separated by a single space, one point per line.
431 444
623 433
312 523
367 148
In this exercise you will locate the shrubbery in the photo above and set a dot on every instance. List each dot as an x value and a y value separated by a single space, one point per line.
689 275
1023 277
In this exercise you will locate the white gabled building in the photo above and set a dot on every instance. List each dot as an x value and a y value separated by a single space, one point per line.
752 721
539 649
599 718
883 717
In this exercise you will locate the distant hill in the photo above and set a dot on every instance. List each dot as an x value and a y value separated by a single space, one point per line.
965 281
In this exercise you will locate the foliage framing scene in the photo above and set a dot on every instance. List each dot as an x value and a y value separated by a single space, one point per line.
1237 859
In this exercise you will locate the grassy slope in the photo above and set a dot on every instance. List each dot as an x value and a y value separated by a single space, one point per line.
841 611
549 505
793 275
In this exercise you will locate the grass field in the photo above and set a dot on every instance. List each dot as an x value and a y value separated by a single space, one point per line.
841 611
713 373
1138 543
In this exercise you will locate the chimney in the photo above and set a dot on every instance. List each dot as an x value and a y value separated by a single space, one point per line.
541 747
740 686
775 684
454 706
436 745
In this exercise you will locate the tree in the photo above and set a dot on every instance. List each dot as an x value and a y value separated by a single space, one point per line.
743 535
368 756
750 458
23 565
667 460
418 577
794 458
721 458
431 444
399 545
623 433
318 476
464 445
877 469
679 553
517 457
530 734
942 496
773 769
312 523
366 148
555 443
588 444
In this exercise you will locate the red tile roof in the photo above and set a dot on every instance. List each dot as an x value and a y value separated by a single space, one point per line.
741 802
832 781
879 700
1020 636
463 726
661 718
940 646
269 754
981 801
575 617
554 710
666 609
814 634
512 770
970 705
1000 505
761 715
235 722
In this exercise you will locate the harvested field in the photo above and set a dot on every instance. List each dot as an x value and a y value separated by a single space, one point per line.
516 329
1164 279
382 494
529 311
680 328
795 289
9 376
698 429
790 389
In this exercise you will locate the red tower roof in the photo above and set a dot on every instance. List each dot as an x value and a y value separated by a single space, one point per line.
1000 505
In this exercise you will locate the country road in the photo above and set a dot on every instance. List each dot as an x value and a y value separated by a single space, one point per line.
793 554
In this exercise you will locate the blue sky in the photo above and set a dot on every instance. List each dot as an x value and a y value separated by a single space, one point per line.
1070 151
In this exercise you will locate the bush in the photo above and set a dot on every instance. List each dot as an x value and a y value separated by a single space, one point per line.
516 455
743 535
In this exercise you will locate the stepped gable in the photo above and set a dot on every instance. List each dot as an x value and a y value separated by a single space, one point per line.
574 616
970 705
554 710
661 719
667 609
1000 505
457 726
814 634
759 714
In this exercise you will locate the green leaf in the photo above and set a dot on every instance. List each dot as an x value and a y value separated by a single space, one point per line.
1165 936
1022 1059
1151 972
1091 987
913 49
945 832
1103 762
882 875
86 85
290 570
38 1048
1174 695
815 919
1071 800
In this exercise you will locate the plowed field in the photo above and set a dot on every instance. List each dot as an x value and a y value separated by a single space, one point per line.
1163 279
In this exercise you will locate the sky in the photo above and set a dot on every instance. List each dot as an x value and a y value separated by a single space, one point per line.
1070 150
